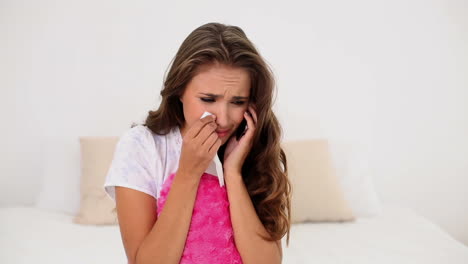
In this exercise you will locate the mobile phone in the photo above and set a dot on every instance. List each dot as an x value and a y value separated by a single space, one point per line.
241 129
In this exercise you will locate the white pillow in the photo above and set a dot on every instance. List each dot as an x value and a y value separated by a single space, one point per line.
61 183
351 161
316 192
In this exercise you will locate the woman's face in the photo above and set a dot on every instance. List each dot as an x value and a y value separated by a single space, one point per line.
221 90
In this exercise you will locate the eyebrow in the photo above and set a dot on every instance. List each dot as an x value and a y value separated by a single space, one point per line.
219 95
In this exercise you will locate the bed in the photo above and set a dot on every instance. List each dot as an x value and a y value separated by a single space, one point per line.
397 235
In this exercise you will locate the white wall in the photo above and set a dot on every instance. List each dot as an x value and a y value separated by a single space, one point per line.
388 75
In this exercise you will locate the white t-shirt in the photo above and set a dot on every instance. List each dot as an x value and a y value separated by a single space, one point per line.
143 160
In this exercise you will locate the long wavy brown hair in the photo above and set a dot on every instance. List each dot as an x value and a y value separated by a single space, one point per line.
265 170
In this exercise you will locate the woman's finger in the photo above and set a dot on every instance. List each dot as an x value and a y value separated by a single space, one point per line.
253 113
196 128
250 123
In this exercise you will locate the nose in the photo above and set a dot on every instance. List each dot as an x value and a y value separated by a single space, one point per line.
222 117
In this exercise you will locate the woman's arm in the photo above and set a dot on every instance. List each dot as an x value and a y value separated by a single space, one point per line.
247 225
150 239
164 240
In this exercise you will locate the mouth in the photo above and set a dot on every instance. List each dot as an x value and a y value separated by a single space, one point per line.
222 133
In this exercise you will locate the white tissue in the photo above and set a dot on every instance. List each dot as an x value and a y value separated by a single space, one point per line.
216 167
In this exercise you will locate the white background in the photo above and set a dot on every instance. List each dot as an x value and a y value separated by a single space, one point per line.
390 76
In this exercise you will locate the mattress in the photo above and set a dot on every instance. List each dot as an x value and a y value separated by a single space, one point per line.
398 235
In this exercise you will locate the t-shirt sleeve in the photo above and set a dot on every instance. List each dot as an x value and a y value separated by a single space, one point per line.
133 165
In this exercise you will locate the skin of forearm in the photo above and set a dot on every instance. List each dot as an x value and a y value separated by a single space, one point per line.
166 240
247 225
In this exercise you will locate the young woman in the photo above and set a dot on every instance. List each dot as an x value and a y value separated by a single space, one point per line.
169 208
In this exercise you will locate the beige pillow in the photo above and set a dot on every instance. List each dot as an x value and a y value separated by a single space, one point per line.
316 192
96 208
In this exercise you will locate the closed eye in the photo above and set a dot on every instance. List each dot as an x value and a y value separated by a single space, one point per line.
209 100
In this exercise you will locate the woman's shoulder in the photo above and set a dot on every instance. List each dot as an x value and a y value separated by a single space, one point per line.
140 133
137 131
143 136
135 136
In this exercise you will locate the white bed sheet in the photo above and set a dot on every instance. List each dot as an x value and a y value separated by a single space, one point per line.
398 235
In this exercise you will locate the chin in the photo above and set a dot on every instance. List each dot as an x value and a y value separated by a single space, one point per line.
224 141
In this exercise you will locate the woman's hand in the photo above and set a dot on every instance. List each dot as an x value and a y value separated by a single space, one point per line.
236 151
199 146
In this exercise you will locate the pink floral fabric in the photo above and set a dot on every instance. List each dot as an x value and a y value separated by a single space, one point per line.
210 238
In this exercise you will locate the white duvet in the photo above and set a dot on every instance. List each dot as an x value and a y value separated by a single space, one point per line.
398 235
